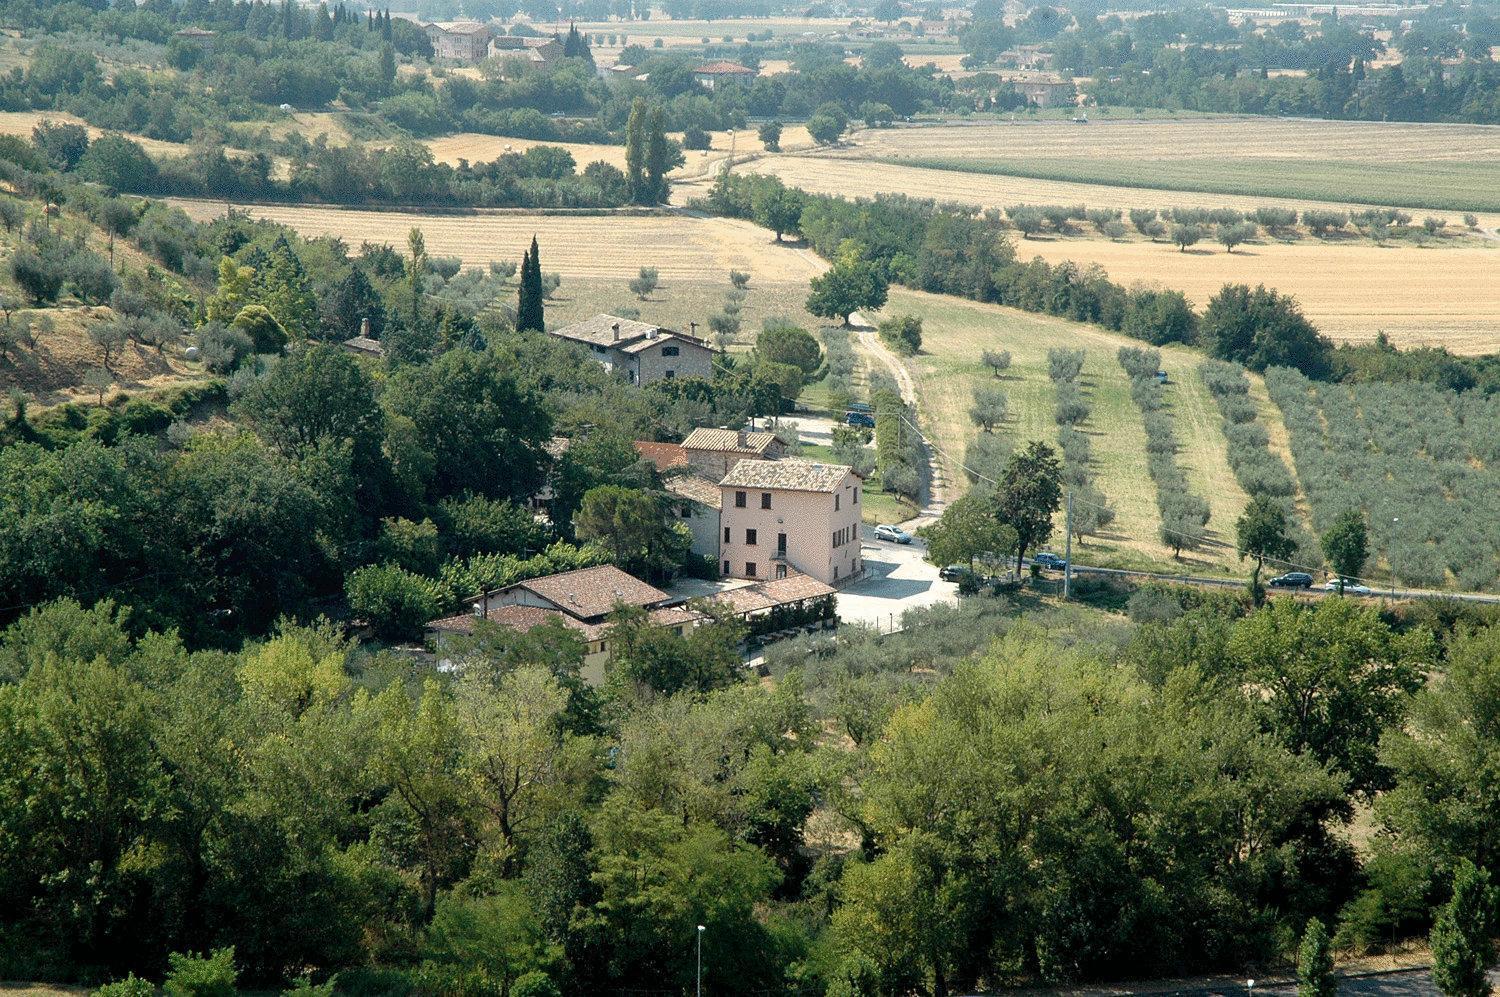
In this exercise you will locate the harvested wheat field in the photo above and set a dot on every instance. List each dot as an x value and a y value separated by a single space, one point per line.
850 177
1419 296
610 245
478 148
954 333
20 123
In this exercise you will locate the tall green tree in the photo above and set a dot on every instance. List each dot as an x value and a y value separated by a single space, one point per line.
1347 545
662 154
636 141
530 311
1029 495
1315 963
969 528
1462 939
1261 532
851 284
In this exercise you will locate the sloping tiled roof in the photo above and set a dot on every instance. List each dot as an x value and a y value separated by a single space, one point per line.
364 344
599 330
744 600
674 616
795 588
728 440
793 475
696 489
663 455
460 27
522 618
723 67
557 446
518 42
665 335
593 592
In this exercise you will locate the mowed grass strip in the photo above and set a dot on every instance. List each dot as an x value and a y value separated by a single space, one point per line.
954 334
1442 186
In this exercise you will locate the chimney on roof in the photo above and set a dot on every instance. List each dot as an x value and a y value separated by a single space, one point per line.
744 438
364 328
694 327
616 329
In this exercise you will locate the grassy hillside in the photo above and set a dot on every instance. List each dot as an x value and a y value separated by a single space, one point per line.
954 334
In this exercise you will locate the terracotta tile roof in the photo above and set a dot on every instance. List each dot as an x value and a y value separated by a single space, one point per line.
593 592
696 489
795 588
460 27
728 441
723 67
674 616
557 446
792 475
664 455
518 42
665 336
364 344
521 618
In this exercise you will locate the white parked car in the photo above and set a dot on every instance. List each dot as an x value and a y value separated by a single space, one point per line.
895 534
1350 588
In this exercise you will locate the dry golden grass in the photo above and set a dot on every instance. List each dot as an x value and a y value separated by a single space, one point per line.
1419 296
1189 138
20 123
611 245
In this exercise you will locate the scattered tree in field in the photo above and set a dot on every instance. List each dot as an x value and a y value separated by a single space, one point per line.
1261 534
1462 942
1471 220
1102 218
1346 545
777 207
644 282
739 279
827 124
1026 219
770 136
996 360
111 337
12 213
1186 235
1276 221
782 342
1315 963
848 286
988 410
1142 219
695 139
99 381
1433 225
1322 223
1092 513
903 333
1029 495
1234 234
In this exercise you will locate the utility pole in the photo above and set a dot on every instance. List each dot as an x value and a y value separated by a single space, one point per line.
1068 548
700 960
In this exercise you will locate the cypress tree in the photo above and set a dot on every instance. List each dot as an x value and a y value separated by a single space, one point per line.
635 152
1315 963
1462 951
658 157
529 308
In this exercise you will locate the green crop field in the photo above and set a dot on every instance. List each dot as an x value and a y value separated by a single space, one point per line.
954 334
1439 186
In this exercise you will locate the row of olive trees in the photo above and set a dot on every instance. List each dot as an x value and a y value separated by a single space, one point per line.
1092 512
1248 448
1184 514
1226 224
1419 459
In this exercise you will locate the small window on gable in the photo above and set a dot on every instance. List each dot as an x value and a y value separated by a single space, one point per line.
739 500
669 351
765 500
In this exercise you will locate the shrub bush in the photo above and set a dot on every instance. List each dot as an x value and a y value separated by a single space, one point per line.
202 976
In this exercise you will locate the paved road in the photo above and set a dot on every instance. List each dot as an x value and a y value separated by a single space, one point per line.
1396 983
897 578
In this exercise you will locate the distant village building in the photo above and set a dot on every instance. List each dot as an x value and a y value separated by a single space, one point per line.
539 51
199 37
780 516
714 74
1032 57
644 353
464 41
364 344
1043 89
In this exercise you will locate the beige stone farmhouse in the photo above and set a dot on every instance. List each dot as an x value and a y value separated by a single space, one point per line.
644 353
466 41
779 516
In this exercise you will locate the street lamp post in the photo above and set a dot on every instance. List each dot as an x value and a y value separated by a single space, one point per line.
1390 547
700 960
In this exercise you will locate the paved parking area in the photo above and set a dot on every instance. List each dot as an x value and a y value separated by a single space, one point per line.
896 579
